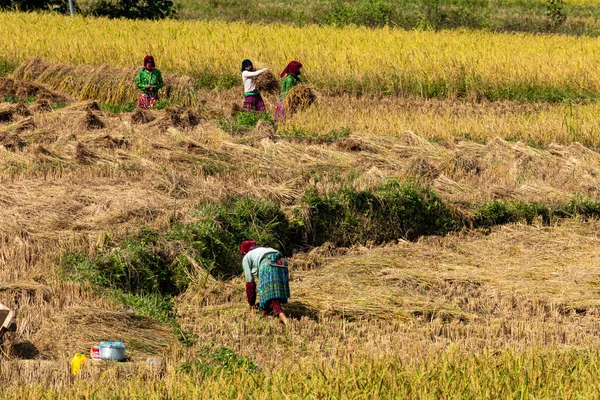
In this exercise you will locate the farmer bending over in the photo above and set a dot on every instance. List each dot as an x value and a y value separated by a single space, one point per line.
148 80
270 268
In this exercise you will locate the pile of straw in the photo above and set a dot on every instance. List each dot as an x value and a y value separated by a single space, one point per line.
107 84
91 121
267 83
298 98
24 89
142 116
41 106
7 113
90 105
23 125
11 141
83 155
180 118
77 329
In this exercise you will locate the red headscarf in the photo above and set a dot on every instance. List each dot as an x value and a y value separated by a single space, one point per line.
149 59
247 245
292 68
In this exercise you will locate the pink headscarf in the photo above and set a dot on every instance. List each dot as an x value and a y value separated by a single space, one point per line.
149 59
292 68
248 245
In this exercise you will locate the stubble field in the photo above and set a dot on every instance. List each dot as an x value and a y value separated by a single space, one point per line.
123 225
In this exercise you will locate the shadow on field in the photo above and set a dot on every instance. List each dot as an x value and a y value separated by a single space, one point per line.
297 310
24 350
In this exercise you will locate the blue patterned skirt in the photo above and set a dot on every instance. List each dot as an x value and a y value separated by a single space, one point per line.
273 279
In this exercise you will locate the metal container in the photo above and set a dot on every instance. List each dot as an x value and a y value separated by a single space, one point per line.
114 351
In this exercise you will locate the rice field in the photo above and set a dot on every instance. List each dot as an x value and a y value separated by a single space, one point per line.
464 64
509 311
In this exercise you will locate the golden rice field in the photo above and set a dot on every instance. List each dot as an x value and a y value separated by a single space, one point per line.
358 60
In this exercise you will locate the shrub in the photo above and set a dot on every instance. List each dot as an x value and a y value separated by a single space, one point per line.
133 9
498 213
389 212
219 229
61 6
140 263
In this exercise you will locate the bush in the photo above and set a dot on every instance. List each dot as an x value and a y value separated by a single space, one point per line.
133 9
214 238
389 212
140 263
61 6
497 213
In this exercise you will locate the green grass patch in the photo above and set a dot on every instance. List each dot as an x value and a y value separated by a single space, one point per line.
306 136
118 108
212 359
243 121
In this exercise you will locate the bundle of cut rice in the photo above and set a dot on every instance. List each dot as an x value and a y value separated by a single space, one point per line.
108 84
267 83
298 98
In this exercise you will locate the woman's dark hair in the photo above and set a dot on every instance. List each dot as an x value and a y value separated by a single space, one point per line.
245 64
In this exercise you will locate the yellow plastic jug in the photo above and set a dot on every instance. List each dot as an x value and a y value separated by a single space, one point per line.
77 362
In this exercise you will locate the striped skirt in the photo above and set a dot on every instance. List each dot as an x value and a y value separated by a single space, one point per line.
254 103
273 279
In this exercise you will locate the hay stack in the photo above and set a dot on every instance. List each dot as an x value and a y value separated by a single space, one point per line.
22 110
11 141
267 83
91 121
179 117
90 105
262 130
83 155
141 116
351 145
25 89
79 328
6 114
41 106
21 126
108 84
111 142
298 98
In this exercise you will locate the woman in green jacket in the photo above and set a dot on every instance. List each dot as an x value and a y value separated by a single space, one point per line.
148 80
290 79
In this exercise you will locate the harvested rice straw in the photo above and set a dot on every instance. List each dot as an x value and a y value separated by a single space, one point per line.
298 98
267 82
107 84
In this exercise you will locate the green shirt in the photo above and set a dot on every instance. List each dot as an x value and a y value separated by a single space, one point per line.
145 77
289 81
